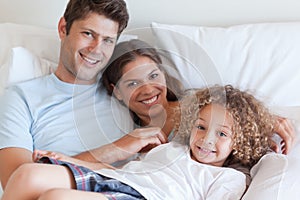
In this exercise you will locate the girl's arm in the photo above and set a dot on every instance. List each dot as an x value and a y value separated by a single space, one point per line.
37 154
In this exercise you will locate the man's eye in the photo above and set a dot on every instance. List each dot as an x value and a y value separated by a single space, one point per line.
109 41
89 34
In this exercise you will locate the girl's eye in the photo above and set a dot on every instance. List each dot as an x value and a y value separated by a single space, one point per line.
200 127
221 134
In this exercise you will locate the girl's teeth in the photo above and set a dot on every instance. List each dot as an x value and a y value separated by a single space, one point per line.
206 150
150 100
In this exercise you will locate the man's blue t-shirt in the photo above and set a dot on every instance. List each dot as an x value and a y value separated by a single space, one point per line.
48 114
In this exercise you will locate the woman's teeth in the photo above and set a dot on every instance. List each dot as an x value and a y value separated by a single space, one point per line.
150 100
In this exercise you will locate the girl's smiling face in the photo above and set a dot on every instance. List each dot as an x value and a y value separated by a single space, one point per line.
212 138
143 88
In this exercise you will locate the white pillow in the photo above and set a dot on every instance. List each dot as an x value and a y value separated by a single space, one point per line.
24 65
276 176
260 57
268 175
42 42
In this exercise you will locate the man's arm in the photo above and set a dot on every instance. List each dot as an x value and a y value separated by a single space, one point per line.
10 160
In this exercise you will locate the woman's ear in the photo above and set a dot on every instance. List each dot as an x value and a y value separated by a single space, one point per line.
116 92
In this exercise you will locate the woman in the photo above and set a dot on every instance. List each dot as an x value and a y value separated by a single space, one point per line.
138 80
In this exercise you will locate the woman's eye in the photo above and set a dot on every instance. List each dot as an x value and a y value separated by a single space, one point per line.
153 76
132 84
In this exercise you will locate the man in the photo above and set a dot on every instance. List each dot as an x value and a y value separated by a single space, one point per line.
57 112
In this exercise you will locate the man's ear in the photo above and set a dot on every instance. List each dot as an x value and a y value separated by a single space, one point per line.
116 92
62 31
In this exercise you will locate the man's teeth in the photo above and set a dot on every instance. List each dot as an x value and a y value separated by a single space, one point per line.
92 61
150 100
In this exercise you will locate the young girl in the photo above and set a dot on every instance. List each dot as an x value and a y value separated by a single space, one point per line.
218 125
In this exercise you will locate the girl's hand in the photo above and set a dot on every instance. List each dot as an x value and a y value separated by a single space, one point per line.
37 154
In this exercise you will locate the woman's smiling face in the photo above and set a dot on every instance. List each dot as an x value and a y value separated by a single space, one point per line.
142 87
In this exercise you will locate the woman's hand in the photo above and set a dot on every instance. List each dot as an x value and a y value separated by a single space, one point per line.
139 140
287 133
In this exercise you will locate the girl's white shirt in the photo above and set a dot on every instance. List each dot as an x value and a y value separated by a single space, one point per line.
167 172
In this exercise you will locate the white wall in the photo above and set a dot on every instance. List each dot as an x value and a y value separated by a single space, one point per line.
212 12
34 12
197 12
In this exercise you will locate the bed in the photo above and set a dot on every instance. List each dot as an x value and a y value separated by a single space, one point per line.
254 45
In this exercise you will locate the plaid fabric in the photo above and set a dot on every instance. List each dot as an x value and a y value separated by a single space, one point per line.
88 180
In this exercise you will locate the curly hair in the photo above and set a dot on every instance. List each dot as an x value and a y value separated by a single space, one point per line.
252 127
